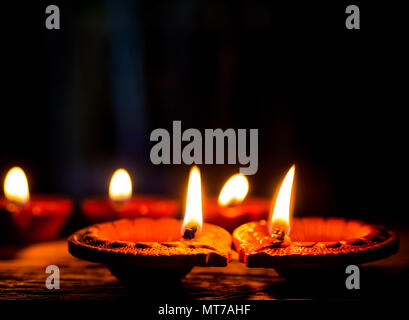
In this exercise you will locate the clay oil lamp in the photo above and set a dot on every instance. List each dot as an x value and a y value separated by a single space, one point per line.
311 244
121 203
233 208
162 249
25 218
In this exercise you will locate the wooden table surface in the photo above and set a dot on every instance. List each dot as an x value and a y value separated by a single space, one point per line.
22 277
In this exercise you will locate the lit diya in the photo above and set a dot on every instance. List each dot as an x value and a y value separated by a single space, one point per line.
121 203
24 218
233 208
165 248
311 243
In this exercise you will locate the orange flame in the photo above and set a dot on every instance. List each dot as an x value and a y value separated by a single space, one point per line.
280 213
234 190
193 212
16 186
120 187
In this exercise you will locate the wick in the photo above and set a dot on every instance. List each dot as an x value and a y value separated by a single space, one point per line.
118 203
278 240
190 233
232 204
278 233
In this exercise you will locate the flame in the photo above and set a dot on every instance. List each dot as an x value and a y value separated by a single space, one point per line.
193 212
234 190
280 214
16 186
120 187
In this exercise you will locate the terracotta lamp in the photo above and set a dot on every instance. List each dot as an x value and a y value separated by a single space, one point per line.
121 203
310 243
233 208
163 248
25 218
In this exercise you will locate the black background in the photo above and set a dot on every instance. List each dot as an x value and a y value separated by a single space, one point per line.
79 102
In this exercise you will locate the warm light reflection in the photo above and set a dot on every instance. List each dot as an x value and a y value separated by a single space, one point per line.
16 186
280 213
234 190
120 187
193 212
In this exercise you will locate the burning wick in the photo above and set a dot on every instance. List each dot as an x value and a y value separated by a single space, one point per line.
192 224
120 187
234 191
280 217
278 233
16 188
279 238
190 233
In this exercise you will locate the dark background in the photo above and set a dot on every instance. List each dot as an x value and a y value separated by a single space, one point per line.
79 102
